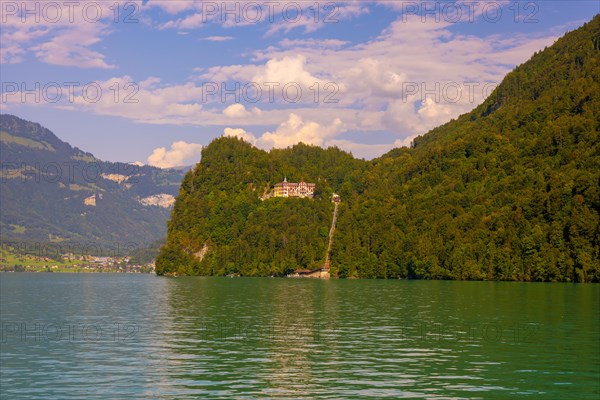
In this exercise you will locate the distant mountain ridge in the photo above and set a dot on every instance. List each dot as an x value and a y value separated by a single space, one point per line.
53 192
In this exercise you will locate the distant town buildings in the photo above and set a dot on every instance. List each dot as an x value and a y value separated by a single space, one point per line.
70 262
322 273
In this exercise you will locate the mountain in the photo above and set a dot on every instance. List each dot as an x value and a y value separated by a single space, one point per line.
54 193
509 191
219 210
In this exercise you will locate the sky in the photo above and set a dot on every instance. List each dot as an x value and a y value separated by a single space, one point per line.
155 81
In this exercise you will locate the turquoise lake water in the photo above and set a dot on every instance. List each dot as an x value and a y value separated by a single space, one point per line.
109 336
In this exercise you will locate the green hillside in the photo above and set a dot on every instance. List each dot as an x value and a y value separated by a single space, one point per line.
509 191
219 206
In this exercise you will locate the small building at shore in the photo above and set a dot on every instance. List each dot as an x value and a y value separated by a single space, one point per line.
321 273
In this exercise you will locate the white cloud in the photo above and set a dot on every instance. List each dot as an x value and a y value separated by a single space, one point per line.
281 16
71 49
55 34
148 101
430 109
296 130
290 78
181 153
218 38
285 70
290 132
240 133
371 78
238 110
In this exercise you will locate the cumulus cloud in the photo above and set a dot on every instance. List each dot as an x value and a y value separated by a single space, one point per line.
287 79
371 78
238 110
290 132
285 70
296 130
432 110
181 153
240 133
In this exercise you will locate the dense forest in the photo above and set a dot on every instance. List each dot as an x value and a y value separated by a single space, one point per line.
219 206
509 191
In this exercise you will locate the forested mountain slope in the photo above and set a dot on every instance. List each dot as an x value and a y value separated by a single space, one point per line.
509 191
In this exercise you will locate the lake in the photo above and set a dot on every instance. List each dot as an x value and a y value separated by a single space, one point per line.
141 336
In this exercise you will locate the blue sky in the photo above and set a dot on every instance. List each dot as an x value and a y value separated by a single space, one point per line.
363 76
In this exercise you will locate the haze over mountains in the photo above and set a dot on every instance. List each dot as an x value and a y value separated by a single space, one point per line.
509 191
52 192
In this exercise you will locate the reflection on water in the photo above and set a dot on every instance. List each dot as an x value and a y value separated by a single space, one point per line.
119 336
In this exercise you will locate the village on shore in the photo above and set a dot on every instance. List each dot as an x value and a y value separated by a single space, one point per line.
69 262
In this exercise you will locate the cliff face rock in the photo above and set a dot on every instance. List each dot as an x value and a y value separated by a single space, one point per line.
119 178
160 200
90 201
